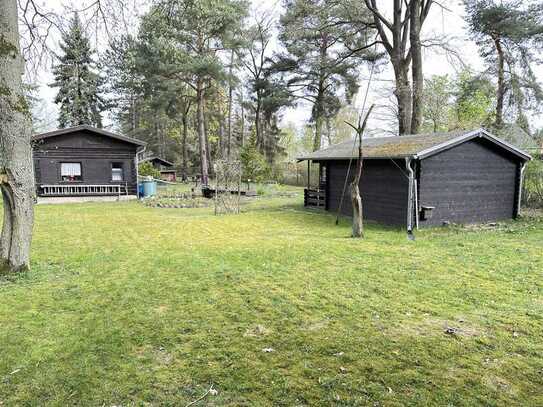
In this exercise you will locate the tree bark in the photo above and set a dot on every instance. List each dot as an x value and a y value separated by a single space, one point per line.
501 83
16 167
184 146
403 97
356 199
329 131
358 222
242 124
258 120
416 66
318 133
202 139
230 99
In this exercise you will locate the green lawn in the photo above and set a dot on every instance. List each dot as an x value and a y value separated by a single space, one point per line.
130 305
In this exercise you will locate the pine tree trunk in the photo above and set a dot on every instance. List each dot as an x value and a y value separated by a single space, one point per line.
230 97
202 139
184 146
16 167
222 138
416 67
318 133
258 129
501 83
318 111
329 131
242 124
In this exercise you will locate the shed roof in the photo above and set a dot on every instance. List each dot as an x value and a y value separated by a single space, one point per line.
92 129
413 146
157 160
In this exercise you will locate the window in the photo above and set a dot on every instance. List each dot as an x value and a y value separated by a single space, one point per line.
70 172
117 172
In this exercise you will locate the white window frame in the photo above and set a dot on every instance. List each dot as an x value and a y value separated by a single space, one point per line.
121 172
71 172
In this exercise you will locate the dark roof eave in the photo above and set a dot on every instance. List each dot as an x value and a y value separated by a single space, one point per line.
388 157
160 160
482 133
92 129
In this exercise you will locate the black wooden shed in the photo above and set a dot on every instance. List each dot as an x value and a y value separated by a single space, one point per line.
423 180
85 161
165 167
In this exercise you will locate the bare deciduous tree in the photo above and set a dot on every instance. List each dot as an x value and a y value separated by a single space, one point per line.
356 199
401 39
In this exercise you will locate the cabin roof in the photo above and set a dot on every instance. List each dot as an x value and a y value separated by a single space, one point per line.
91 129
409 146
157 160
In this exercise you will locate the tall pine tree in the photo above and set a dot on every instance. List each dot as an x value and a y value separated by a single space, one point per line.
77 80
510 38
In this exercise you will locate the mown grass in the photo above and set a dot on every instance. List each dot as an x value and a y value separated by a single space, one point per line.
129 305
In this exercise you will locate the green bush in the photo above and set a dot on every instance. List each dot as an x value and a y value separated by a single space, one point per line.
146 169
254 166
532 195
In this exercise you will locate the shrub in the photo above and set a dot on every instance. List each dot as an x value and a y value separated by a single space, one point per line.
253 164
146 169
532 195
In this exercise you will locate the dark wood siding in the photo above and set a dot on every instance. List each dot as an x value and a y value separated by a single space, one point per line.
383 188
95 152
472 182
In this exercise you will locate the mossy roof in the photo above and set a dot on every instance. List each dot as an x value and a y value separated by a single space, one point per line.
417 146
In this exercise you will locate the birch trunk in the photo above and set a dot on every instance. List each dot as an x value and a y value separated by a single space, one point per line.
16 168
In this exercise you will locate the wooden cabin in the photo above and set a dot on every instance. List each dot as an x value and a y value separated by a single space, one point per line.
166 168
423 180
85 161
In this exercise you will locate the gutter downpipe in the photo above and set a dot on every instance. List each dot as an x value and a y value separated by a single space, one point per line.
410 235
138 170
520 182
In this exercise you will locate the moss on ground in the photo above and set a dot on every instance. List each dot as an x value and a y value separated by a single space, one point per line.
130 305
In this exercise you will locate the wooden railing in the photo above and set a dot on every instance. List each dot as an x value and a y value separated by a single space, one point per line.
314 198
82 190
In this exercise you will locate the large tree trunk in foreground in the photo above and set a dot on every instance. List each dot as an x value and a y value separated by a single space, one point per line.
16 169
202 139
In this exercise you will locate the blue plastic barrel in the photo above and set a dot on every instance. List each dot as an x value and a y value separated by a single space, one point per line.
149 188
140 190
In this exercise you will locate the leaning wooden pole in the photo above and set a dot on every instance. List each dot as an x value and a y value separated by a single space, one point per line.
356 199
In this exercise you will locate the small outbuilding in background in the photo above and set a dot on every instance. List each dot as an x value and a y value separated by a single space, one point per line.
166 168
423 180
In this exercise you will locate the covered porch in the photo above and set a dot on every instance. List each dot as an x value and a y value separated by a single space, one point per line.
315 191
